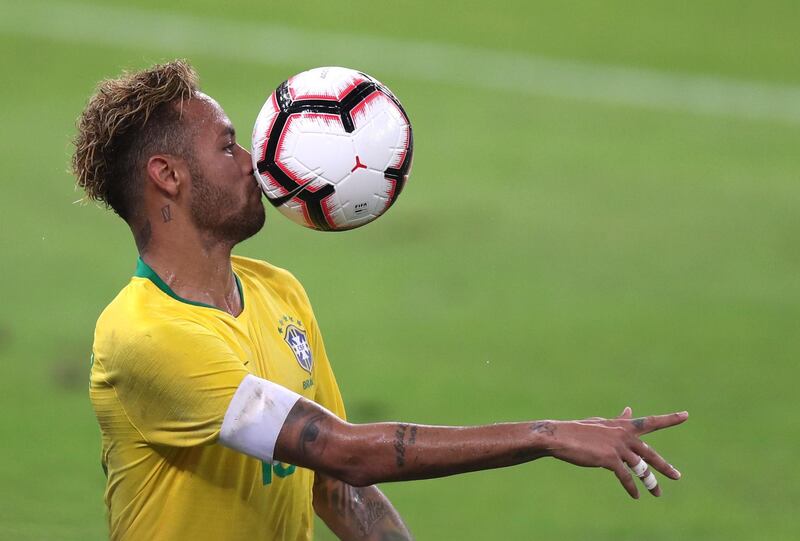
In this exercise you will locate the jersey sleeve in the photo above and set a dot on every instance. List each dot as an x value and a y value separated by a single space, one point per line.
174 381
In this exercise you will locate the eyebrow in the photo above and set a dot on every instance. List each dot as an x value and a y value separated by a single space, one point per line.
228 130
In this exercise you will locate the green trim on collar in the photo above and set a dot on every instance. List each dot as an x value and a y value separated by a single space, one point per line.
143 270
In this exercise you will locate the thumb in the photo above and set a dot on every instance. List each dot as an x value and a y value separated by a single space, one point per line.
627 413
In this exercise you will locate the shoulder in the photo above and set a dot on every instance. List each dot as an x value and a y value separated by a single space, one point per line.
140 304
261 270
140 318
126 310
279 281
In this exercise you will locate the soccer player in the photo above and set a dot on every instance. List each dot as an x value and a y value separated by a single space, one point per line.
219 411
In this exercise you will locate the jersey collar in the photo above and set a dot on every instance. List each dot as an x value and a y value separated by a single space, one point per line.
143 270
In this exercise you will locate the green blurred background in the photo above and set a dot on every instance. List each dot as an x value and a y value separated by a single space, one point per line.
603 212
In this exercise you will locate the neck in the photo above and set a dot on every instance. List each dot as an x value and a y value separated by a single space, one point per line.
197 270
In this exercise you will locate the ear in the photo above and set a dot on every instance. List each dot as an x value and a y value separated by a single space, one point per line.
167 173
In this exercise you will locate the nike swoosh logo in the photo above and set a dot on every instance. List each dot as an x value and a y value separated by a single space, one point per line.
278 201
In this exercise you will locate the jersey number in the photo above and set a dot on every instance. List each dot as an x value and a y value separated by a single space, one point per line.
279 468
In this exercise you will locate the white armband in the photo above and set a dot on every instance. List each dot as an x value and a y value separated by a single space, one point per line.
255 417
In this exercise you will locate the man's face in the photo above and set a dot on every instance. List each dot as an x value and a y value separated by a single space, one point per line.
225 197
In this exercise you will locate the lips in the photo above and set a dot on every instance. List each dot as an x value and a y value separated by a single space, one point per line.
256 185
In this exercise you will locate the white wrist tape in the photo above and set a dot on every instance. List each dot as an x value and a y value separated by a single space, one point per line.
255 417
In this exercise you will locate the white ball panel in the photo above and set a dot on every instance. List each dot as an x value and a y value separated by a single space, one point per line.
381 135
315 146
360 195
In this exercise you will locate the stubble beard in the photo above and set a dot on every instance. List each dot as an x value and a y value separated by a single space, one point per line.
209 208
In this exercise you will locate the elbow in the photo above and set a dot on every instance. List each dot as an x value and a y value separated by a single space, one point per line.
358 478
314 438
349 459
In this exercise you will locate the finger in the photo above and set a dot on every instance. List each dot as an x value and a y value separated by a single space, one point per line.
625 477
655 460
627 413
642 471
645 425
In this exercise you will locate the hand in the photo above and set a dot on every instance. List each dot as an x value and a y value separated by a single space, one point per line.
613 444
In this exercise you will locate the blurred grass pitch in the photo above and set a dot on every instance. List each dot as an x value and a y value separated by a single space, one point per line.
603 211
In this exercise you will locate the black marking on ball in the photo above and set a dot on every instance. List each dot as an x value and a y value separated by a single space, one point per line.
283 96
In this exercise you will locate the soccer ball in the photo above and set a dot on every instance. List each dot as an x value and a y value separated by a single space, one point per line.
332 148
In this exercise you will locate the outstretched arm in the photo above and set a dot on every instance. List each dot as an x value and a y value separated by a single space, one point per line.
364 454
268 421
357 513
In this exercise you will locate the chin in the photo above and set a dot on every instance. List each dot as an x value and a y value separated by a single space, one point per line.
250 222
239 228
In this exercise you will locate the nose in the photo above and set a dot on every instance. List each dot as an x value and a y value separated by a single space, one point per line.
243 151
245 158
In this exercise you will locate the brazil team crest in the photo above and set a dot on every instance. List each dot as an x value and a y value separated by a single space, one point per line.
295 336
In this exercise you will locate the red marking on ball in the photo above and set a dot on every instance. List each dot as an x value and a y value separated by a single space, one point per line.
358 165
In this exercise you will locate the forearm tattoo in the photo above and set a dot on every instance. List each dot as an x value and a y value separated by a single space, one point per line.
310 438
356 504
539 427
310 434
400 445
544 427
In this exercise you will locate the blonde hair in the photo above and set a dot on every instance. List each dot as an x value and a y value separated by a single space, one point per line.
126 121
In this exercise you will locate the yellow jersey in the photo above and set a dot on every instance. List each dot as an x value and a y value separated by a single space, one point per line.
164 371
